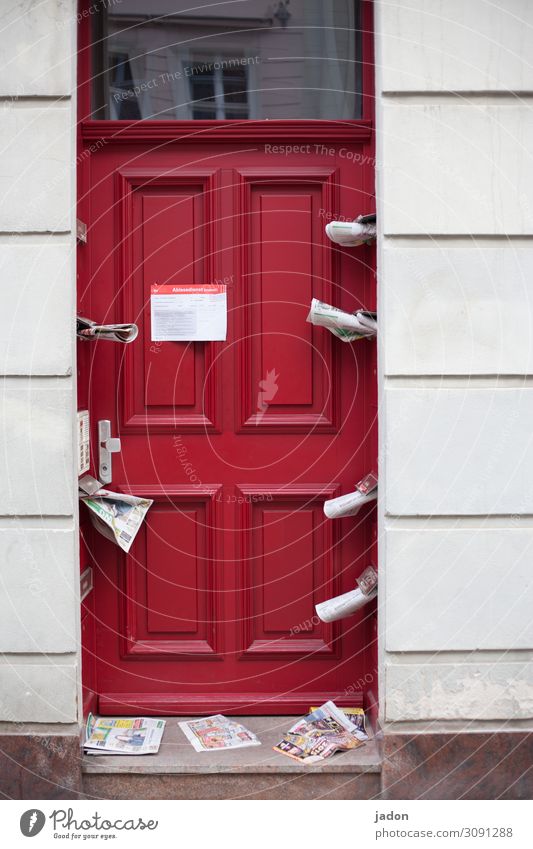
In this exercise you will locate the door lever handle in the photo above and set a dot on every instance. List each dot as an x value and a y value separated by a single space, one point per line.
107 445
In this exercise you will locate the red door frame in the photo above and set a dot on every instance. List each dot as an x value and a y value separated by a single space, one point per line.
92 135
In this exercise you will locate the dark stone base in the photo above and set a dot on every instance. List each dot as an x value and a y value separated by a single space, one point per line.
458 766
223 786
415 766
40 767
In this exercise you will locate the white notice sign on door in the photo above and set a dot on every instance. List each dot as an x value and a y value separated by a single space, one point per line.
188 313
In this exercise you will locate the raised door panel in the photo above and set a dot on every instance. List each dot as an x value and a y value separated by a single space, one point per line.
287 376
289 564
168 234
171 592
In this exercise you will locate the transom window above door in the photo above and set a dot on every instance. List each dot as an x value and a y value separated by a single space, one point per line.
218 87
239 59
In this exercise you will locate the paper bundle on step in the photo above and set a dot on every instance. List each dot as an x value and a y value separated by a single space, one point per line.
319 735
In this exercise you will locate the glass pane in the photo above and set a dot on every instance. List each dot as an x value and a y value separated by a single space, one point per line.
170 59
235 87
123 97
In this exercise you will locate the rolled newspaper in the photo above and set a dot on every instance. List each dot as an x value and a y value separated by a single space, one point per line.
368 320
88 329
350 233
347 326
343 605
347 505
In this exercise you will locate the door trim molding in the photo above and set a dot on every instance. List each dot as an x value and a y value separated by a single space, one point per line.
319 131
247 704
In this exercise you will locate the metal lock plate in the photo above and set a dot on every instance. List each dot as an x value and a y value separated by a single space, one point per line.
107 446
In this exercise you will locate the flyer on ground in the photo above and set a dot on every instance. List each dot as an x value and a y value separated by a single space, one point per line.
123 735
217 732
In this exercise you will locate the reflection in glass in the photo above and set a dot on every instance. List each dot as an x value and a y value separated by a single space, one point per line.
238 59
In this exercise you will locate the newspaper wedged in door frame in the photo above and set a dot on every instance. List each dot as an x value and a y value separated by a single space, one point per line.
88 329
344 605
217 732
117 516
350 503
123 736
347 326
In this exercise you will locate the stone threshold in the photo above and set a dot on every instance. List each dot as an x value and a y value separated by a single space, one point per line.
176 756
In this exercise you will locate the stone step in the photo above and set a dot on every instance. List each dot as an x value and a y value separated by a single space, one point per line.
257 772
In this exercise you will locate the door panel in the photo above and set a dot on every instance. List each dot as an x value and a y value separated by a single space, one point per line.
285 262
239 442
170 588
289 560
168 233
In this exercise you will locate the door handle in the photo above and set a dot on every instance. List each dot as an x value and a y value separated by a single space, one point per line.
107 445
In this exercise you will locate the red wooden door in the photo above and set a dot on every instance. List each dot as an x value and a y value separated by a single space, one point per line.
238 442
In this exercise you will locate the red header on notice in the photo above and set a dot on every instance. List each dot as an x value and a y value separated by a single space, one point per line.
168 289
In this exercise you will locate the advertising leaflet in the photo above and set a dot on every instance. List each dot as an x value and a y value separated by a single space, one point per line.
217 732
117 516
123 735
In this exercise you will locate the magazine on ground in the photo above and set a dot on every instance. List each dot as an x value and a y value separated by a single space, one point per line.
356 715
123 735
319 735
217 732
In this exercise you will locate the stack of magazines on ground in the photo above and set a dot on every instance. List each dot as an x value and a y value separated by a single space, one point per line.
321 733
123 736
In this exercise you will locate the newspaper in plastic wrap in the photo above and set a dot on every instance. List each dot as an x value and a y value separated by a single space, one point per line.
117 516
350 504
352 233
123 736
345 325
319 735
343 605
217 732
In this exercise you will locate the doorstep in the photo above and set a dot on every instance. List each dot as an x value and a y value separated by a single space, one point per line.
255 772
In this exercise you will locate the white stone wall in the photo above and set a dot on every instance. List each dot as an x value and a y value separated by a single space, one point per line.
39 592
455 201
455 207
